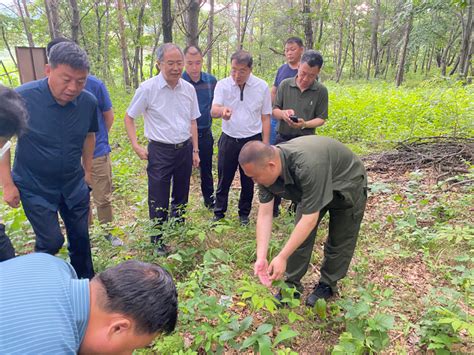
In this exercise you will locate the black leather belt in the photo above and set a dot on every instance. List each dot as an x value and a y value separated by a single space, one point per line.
246 139
170 145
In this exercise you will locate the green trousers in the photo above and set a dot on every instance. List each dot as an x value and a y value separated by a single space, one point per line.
346 211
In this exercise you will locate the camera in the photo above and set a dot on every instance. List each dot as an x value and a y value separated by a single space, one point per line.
294 118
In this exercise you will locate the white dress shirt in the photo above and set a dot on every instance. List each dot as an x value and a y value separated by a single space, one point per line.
167 112
246 119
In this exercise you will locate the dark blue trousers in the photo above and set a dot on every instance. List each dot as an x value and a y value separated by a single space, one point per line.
206 150
6 248
227 163
49 238
168 163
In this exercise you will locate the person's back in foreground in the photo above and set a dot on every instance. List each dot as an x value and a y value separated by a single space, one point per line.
46 309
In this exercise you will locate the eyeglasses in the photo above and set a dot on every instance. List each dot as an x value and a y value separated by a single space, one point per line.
5 148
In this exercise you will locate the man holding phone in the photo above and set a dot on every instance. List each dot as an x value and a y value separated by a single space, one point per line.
301 103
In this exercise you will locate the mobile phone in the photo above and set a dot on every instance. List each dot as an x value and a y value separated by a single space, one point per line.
294 118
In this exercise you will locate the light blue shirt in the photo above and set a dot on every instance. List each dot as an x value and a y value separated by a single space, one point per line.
44 308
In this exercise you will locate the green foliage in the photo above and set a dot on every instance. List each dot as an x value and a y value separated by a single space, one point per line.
259 296
366 329
442 325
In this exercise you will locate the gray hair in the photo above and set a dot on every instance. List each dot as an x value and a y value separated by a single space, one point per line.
68 53
160 52
312 58
242 57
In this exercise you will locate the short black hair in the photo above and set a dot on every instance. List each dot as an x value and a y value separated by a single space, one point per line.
68 53
55 41
143 291
256 152
192 48
312 58
242 57
295 40
13 114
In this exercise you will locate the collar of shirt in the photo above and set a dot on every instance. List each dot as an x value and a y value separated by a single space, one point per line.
314 86
250 81
80 302
186 77
49 99
163 83
285 173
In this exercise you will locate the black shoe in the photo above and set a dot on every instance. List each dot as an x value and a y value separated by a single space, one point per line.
216 218
244 220
276 213
115 241
210 204
279 297
321 290
162 250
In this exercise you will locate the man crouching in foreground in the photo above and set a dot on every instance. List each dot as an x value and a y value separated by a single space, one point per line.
46 310
321 175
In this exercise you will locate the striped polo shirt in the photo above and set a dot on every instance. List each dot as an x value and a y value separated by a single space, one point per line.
44 308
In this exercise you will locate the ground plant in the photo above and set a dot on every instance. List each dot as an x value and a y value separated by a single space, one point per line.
410 285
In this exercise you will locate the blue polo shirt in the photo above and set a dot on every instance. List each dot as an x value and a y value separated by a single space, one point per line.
44 308
284 72
104 104
205 94
47 165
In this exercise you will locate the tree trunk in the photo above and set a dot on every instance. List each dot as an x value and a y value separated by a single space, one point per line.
8 46
237 23
403 52
308 25
192 23
53 16
106 40
373 38
123 45
50 20
136 59
74 21
25 20
210 36
157 34
466 42
167 21
340 39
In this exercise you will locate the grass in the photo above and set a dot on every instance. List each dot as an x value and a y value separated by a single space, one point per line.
409 287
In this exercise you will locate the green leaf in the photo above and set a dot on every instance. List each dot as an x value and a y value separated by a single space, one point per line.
249 341
227 335
264 345
320 308
293 317
245 324
264 328
285 334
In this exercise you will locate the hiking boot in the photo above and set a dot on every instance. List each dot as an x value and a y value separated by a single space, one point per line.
162 250
115 241
321 290
244 220
216 218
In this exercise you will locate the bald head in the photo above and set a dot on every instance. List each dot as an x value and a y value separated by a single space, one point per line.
256 152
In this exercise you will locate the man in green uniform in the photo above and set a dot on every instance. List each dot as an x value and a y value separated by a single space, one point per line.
303 97
321 175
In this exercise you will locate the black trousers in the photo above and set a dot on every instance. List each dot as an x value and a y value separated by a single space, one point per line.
49 238
227 163
168 164
6 248
206 150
